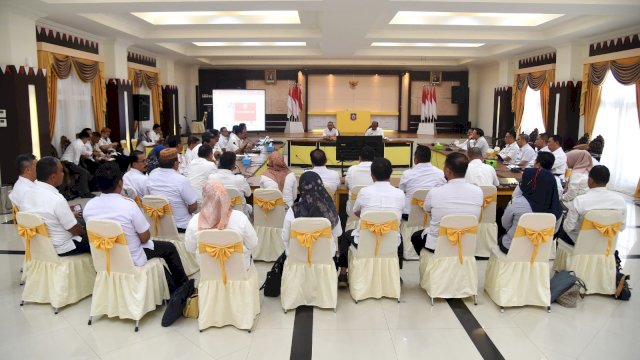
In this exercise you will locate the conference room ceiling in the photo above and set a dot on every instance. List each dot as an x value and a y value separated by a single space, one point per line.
325 33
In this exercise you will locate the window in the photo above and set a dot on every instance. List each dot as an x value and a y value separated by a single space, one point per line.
74 110
617 122
532 115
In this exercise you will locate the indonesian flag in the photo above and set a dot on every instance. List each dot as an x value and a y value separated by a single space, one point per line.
434 105
297 96
423 104
291 104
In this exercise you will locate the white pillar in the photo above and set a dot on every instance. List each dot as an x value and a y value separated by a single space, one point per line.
115 58
474 85
18 40
167 71
569 58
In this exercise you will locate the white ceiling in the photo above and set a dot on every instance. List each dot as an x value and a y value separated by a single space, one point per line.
340 32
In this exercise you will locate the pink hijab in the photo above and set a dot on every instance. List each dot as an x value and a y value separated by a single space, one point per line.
277 169
216 207
579 161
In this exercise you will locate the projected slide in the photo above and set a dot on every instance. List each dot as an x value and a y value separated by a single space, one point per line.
231 107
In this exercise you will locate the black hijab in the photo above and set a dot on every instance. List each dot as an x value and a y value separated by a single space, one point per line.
540 188
313 199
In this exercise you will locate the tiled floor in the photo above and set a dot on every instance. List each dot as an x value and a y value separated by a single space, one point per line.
599 328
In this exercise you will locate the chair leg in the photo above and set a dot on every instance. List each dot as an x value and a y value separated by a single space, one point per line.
501 309
90 318
55 310
21 283
432 302
22 303
549 309
137 323
475 299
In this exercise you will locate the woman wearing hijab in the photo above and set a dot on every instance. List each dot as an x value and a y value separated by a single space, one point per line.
218 214
580 163
538 194
278 176
153 160
314 201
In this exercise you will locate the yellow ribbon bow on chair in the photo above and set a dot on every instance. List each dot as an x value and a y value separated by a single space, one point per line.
609 231
307 239
220 253
138 201
379 229
28 233
487 200
156 214
354 196
267 205
455 236
235 201
420 203
106 244
14 213
537 237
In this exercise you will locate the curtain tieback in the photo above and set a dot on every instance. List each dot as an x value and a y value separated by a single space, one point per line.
220 253
379 229
609 231
537 237
106 244
28 233
156 214
455 236
420 203
307 239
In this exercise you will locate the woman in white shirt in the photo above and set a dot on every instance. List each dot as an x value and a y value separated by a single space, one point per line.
279 176
314 201
217 214
580 162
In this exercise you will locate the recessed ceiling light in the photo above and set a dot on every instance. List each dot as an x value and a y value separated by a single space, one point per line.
250 43
470 19
398 44
219 17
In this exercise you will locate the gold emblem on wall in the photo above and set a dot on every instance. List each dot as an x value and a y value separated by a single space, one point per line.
353 84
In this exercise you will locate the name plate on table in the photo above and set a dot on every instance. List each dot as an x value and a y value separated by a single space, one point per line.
510 182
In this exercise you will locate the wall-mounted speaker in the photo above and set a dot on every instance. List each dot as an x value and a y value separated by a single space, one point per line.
141 107
459 94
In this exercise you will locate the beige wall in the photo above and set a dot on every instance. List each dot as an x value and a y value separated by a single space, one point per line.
375 93
487 82
443 97
275 95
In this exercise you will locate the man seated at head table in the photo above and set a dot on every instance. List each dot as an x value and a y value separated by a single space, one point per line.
479 173
456 197
560 164
26 179
330 132
374 130
511 151
540 142
226 177
422 175
527 156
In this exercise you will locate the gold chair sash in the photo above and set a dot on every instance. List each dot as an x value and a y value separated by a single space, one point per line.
420 203
455 235
354 196
379 229
138 201
267 205
236 200
28 233
14 213
156 214
485 203
307 239
106 244
537 237
220 253
609 231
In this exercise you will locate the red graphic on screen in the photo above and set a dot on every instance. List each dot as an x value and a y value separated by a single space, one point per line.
245 111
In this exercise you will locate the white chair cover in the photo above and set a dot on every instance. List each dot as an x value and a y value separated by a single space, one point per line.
235 303
52 279
233 193
314 284
331 193
168 231
487 228
127 291
268 225
372 276
416 222
512 280
587 258
352 220
441 274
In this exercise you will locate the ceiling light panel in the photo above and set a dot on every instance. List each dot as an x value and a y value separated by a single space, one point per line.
250 43
398 44
470 19
219 17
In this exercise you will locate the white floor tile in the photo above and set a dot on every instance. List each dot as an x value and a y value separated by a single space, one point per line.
61 343
272 344
210 339
514 344
434 344
168 345
352 344
365 315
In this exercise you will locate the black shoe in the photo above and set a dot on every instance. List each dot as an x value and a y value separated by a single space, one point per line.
343 280
88 196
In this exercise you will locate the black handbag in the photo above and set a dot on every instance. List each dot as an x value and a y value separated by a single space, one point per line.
176 303
622 287
561 282
273 281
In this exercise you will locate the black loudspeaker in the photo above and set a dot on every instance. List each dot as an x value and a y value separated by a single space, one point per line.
459 94
141 105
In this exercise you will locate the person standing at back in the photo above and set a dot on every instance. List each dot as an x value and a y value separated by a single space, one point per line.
479 173
423 175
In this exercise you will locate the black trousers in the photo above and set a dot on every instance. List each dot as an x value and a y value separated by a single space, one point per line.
418 242
346 240
82 247
168 252
503 248
82 185
565 237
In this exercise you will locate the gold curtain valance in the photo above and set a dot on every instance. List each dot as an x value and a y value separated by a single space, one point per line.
152 81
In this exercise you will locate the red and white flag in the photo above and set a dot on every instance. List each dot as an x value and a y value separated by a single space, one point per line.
291 103
423 104
434 106
297 96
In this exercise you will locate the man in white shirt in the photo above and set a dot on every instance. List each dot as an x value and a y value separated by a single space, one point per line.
511 151
479 173
238 141
423 175
226 177
541 142
105 144
200 169
190 154
135 180
527 155
465 144
166 181
155 135
597 198
374 130
110 205
380 196
174 142
360 174
224 138
478 141
26 179
330 178
67 235
560 165
456 197
330 132
71 160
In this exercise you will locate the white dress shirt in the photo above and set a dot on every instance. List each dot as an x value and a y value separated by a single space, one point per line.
199 171
125 212
74 151
336 231
193 154
46 201
330 133
188 155
88 150
176 189
153 136
528 154
560 164
233 143
223 142
136 181
183 168
20 189
421 176
330 178
577 185
238 182
380 196
481 143
376 132
512 151
479 173
358 175
457 197
238 222
546 148
290 190
595 199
